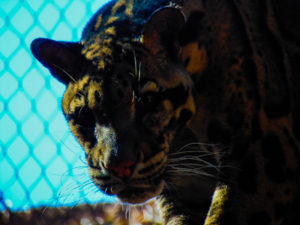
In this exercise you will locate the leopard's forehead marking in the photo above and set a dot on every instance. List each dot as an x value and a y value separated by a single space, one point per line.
71 91
115 28
100 46
128 5
81 92
98 22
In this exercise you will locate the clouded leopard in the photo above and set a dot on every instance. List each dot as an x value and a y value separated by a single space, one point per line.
194 102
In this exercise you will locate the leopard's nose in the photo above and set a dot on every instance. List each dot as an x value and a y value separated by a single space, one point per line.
121 162
122 169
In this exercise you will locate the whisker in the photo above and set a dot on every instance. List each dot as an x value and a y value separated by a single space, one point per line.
194 166
69 75
190 158
133 96
197 152
194 159
185 172
196 144
127 212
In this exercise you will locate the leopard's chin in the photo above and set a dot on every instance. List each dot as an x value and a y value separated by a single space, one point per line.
134 195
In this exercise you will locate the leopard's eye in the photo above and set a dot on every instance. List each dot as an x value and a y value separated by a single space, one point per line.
84 117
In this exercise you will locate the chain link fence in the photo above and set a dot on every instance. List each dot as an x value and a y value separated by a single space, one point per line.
40 162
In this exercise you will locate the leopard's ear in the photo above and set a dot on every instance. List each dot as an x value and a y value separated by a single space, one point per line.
161 31
63 59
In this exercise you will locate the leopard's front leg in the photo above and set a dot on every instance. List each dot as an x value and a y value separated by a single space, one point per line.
216 210
260 190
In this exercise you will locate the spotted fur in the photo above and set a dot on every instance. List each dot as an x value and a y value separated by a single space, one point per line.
193 102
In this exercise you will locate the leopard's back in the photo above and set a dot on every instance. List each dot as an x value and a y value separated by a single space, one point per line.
248 99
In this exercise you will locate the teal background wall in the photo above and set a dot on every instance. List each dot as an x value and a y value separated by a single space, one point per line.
40 162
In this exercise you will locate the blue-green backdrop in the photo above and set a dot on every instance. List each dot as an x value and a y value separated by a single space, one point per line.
40 162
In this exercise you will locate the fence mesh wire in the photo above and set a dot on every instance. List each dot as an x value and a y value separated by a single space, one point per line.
40 162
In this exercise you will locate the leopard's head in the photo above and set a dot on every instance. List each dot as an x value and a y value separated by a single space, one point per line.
126 105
